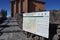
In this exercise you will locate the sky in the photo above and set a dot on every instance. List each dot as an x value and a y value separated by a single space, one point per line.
50 5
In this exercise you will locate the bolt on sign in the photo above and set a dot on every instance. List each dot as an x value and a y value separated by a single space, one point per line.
37 23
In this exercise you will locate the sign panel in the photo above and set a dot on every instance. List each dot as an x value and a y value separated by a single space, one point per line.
37 23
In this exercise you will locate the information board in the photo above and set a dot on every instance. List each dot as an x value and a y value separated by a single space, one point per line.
37 23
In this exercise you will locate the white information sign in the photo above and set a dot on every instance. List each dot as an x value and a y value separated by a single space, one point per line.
37 23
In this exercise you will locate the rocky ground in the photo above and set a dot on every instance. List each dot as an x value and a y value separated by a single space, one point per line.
10 30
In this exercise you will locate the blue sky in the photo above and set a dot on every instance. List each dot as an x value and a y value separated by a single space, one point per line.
5 4
50 5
